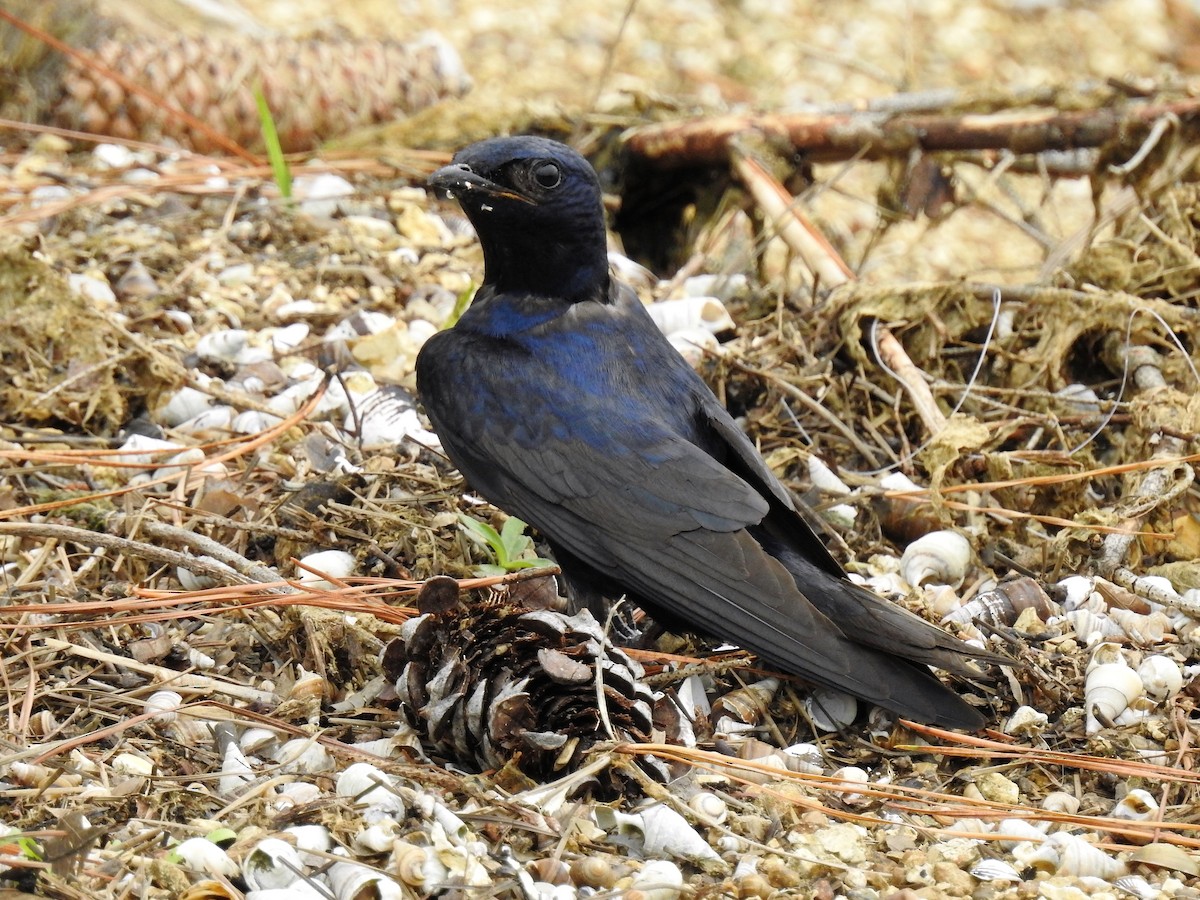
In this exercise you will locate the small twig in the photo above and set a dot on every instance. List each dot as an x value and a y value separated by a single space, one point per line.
895 360
256 572
138 549
780 210
202 684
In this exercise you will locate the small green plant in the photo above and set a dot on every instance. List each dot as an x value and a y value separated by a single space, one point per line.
461 302
511 547
279 166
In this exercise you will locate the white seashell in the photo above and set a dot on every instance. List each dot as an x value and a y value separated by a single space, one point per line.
454 827
417 866
377 837
830 710
710 807
337 564
253 421
1137 806
297 793
303 756
724 285
215 418
146 451
186 403
386 418
1106 653
163 705
236 771
1161 677
662 830
691 314
1139 887
1090 627
658 879
95 289
1108 690
1061 801
1141 629
942 557
289 337
694 344
205 856
113 156
300 889
184 459
190 581
804 758
359 324
1068 854
370 786
225 345
311 842
319 195
1077 589
851 776
232 276
843 515
1026 721
351 881
258 739
1021 829
824 479
994 870
132 764
272 864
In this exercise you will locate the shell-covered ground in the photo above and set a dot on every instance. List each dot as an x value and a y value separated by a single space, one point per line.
219 499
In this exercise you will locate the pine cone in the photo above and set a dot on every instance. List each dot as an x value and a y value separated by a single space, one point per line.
316 89
497 682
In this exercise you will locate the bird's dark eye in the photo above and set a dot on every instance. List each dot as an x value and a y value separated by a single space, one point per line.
547 174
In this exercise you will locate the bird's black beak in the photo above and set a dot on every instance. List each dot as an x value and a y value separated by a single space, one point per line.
458 180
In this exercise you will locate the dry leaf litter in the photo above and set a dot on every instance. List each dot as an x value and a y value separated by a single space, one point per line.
219 503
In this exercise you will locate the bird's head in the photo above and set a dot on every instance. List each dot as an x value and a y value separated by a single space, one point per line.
535 204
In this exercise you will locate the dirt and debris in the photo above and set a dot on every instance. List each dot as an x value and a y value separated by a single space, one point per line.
219 499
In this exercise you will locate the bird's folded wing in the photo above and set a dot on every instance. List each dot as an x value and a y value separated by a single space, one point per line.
679 540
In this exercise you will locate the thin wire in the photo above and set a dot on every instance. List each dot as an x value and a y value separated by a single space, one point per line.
987 341
1125 369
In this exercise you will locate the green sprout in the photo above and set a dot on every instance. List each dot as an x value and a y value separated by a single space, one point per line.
461 302
279 165
510 547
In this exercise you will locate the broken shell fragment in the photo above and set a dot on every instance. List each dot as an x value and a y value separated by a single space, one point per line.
940 557
1138 805
1026 720
1166 856
203 855
994 870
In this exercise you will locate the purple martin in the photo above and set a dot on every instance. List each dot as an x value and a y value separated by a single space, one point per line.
562 403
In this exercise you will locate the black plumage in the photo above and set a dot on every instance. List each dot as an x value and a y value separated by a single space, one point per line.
560 401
